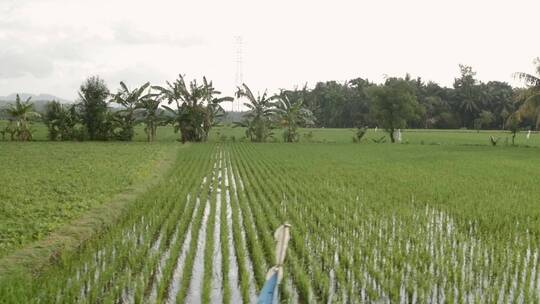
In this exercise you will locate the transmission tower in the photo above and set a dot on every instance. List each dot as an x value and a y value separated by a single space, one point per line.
239 77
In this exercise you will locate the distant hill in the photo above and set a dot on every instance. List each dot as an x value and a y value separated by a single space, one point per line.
40 97
39 101
231 117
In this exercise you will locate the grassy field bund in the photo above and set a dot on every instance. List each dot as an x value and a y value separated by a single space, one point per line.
443 217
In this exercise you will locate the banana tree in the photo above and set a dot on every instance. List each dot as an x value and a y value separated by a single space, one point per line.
215 112
197 107
20 115
258 120
62 121
129 100
151 115
291 115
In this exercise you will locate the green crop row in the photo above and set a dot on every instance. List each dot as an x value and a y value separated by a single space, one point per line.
369 223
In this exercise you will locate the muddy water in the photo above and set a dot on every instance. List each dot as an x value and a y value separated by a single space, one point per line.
195 287
293 293
251 279
216 295
236 296
177 275
174 285
164 258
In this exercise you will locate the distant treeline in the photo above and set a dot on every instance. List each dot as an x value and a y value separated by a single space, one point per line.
194 108
469 103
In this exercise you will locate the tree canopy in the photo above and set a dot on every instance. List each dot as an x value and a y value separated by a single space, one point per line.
93 95
347 104
193 108
394 104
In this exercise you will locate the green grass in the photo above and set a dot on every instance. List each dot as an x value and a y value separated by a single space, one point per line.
329 135
45 185
411 136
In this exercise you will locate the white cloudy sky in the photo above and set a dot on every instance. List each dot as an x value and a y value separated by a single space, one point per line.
51 46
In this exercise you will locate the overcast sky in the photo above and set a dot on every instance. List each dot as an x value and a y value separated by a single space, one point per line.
51 46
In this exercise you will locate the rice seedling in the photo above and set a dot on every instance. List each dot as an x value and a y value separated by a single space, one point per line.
400 223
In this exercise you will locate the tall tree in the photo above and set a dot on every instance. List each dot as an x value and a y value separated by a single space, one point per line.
258 120
467 95
20 115
497 98
485 118
291 114
531 106
394 104
93 95
128 100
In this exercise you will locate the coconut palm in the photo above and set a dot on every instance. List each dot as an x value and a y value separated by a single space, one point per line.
129 100
258 120
292 114
467 92
469 105
529 79
20 114
196 107
531 106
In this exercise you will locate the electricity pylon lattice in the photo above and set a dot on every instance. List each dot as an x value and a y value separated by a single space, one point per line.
239 77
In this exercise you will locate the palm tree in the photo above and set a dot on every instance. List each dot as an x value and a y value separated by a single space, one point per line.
196 107
531 106
20 113
258 120
148 108
467 93
129 100
468 105
291 114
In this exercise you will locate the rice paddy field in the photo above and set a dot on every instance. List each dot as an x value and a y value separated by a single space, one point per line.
443 217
